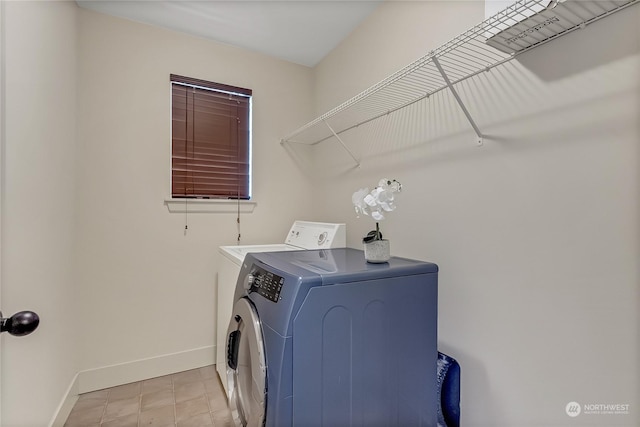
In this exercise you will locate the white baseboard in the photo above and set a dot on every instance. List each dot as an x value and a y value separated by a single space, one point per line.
64 409
143 369
124 373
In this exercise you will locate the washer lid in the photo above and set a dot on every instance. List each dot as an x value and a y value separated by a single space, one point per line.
237 253
246 366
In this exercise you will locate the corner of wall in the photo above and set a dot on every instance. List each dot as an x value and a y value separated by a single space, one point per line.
66 405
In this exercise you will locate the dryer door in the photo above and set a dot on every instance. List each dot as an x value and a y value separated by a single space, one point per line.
246 367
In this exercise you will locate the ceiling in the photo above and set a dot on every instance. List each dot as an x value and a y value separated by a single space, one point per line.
299 31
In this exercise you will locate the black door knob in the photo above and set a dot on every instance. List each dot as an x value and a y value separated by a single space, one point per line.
20 324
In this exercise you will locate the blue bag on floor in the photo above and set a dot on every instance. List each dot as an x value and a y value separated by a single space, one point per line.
448 382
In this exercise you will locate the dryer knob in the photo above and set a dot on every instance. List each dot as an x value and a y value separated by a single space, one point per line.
248 281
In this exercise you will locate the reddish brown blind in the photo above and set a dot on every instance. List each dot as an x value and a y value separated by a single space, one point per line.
210 139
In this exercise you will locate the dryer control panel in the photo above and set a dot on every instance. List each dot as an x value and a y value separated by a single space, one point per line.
265 283
317 235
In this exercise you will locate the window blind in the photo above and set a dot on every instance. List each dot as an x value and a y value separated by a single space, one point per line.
210 139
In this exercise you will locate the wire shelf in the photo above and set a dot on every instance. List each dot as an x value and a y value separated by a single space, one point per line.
524 25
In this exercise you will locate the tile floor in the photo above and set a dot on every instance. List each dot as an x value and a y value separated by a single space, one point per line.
192 398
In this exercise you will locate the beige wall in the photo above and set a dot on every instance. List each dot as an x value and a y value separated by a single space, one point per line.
536 233
39 208
88 241
148 289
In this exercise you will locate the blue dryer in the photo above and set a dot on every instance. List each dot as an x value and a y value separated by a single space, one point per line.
323 338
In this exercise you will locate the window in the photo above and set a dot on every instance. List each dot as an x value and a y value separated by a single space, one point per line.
211 140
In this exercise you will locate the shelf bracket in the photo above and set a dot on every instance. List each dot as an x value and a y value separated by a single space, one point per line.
342 143
457 97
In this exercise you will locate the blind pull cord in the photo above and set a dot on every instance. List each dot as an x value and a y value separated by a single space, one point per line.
186 152
238 220
186 225
238 181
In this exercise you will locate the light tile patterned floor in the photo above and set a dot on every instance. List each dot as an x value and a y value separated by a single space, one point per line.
187 399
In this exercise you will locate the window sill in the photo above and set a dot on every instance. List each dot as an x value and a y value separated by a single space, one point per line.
209 206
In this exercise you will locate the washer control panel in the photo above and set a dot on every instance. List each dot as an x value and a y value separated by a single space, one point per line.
316 235
265 283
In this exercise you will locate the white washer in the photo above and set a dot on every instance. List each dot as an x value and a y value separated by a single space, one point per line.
304 235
